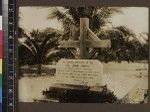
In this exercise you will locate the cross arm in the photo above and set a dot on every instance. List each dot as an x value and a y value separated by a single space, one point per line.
92 35
68 44
98 44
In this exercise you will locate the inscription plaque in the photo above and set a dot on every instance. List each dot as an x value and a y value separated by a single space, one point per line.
79 72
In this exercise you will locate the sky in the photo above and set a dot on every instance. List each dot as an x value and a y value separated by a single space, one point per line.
135 18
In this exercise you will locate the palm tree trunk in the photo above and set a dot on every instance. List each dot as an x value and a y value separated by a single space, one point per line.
39 69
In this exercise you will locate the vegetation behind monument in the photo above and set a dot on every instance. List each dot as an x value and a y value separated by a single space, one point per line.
41 47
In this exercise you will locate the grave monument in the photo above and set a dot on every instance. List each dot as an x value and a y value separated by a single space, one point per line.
80 80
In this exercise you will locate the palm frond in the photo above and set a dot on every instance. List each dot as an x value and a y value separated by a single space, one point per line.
32 44
52 53
26 46
59 15
126 31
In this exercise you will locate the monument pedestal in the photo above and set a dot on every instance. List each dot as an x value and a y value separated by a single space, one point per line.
79 81
66 93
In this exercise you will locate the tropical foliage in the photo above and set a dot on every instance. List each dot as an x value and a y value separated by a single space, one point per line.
37 48
98 16
41 47
124 46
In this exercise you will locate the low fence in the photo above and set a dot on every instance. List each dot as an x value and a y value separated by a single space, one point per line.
46 69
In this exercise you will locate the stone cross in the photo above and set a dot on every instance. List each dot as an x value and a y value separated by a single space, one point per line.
87 40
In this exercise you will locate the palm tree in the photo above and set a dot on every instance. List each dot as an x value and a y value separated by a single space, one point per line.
69 16
99 17
21 32
38 51
121 38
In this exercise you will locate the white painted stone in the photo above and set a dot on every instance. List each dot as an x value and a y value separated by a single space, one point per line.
79 72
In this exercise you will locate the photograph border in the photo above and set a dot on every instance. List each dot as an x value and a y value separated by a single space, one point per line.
84 107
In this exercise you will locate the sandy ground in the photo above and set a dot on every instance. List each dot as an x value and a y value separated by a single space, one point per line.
124 79
127 79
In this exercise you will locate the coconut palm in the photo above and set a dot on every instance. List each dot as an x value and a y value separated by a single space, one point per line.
37 52
121 45
99 17
69 16
21 32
